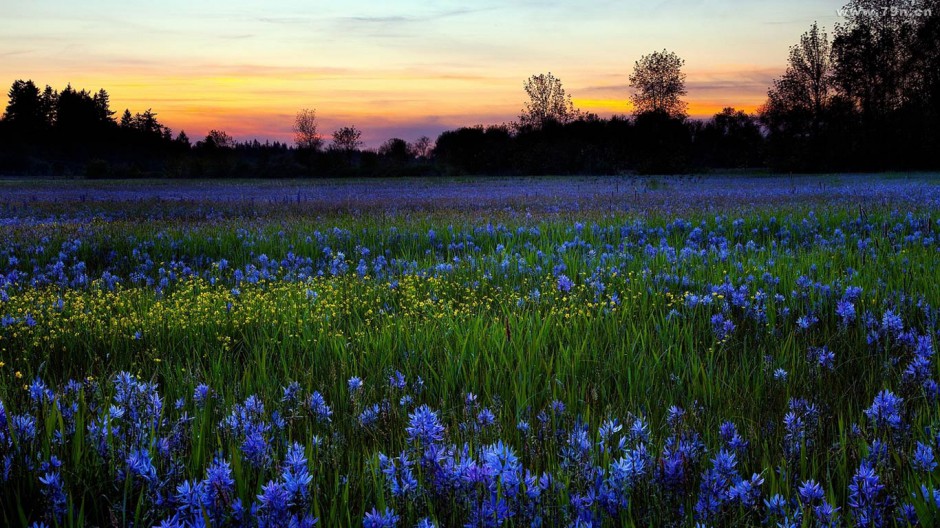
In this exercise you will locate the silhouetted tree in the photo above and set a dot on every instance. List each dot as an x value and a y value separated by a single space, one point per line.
347 139
798 102
217 139
396 149
661 143
658 84
77 115
475 150
48 102
730 139
879 62
805 87
103 106
872 51
547 102
182 139
127 120
305 131
24 111
422 148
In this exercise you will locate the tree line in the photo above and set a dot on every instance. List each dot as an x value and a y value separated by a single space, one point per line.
865 98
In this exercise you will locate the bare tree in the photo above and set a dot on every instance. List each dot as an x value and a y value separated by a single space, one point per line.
347 139
547 102
305 130
658 84
422 147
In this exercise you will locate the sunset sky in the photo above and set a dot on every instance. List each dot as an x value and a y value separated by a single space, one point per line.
404 68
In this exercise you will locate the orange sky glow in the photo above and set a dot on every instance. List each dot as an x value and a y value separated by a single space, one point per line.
407 70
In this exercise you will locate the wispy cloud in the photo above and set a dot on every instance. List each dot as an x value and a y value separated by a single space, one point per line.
405 66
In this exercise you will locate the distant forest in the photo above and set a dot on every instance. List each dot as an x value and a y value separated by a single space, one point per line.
866 98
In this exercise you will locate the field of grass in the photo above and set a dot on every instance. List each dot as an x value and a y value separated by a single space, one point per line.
585 352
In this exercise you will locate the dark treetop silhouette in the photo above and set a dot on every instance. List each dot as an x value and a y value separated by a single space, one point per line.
865 99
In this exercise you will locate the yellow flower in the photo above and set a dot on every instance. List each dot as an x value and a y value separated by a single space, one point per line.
19 375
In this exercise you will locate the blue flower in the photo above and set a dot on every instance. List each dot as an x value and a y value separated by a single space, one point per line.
274 500
53 492
398 475
891 323
38 392
564 284
24 427
729 435
354 384
397 380
747 491
296 475
867 497
369 416
722 328
826 515
485 417
424 426
386 519
846 311
255 449
317 405
140 464
807 321
810 493
190 497
923 459
291 393
885 411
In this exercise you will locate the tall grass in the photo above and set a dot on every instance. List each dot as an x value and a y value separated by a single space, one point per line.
634 347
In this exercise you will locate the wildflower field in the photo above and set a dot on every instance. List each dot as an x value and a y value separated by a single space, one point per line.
708 351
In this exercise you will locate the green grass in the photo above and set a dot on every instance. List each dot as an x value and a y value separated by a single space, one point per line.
600 360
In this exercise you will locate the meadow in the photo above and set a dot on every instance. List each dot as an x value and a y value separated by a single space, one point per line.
714 351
